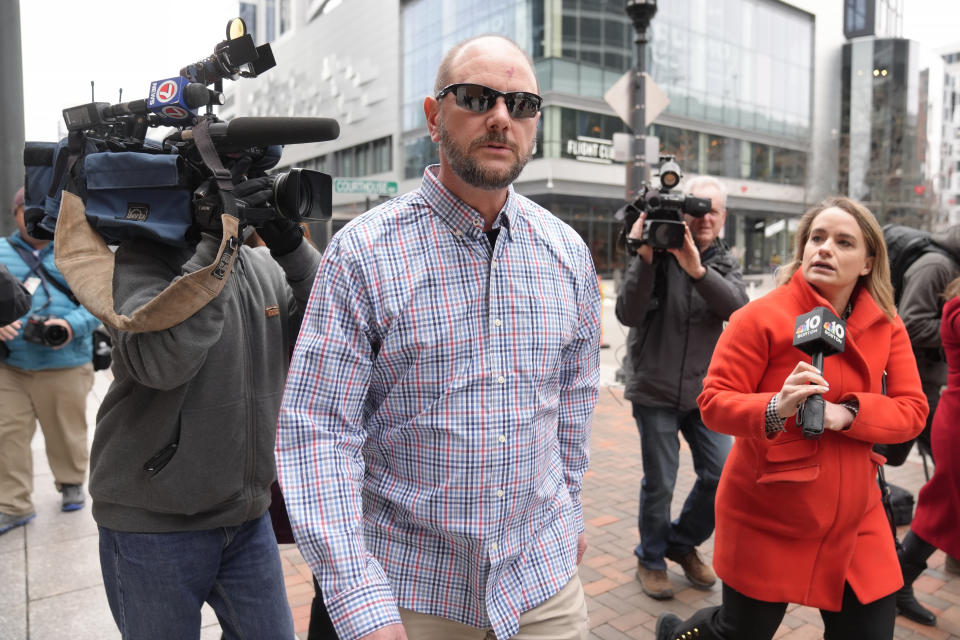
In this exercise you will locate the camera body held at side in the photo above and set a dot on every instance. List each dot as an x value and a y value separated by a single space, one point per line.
37 332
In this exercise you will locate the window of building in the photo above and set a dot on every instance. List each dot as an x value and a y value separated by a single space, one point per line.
418 154
361 160
858 18
285 16
248 13
270 12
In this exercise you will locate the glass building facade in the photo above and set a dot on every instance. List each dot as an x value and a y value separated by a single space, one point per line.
738 74
740 63
883 145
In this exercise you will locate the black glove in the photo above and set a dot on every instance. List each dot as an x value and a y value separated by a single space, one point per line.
256 192
281 235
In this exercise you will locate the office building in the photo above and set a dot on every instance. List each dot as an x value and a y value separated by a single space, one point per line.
754 86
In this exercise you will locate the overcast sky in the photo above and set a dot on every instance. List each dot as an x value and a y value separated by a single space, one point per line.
119 44
128 43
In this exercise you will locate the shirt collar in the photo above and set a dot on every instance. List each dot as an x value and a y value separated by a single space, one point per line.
457 214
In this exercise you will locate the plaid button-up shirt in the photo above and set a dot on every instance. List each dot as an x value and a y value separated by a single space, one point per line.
451 384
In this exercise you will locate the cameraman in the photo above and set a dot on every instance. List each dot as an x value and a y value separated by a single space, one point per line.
182 459
45 375
675 303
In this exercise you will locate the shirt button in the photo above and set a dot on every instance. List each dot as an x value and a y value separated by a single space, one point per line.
493 265
497 322
501 379
502 438
499 493
458 233
478 223
494 546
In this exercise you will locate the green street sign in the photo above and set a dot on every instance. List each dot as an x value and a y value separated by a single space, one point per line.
366 187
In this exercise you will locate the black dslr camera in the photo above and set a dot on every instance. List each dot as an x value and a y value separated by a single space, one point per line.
663 227
37 332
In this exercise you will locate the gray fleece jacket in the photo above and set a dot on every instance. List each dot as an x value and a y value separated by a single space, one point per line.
921 305
675 326
185 434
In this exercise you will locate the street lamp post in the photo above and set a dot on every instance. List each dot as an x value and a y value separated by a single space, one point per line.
640 12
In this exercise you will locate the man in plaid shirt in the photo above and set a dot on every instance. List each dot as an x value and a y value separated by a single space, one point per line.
435 425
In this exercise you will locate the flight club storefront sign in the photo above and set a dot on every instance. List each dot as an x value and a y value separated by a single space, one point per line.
588 149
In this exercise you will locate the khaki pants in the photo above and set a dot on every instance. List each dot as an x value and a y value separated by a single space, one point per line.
561 617
58 399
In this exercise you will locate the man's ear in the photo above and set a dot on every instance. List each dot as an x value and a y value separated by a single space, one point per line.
431 109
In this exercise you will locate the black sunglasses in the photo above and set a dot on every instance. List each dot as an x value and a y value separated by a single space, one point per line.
480 99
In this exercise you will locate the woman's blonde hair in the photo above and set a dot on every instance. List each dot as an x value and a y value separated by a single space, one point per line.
877 282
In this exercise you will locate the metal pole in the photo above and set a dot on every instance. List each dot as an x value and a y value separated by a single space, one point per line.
640 12
637 168
11 113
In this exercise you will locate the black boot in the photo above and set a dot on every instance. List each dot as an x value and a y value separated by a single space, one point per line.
913 560
698 627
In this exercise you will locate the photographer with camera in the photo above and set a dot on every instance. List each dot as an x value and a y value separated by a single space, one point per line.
182 460
45 375
675 301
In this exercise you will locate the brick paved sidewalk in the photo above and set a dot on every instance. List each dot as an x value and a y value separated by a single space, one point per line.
51 587
618 608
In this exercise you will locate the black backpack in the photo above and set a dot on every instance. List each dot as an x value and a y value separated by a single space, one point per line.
904 246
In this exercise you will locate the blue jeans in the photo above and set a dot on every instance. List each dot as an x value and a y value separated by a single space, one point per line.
660 452
156 583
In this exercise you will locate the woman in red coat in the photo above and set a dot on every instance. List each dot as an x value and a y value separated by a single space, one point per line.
936 524
798 519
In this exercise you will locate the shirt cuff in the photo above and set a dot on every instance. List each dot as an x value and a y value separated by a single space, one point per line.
773 423
363 610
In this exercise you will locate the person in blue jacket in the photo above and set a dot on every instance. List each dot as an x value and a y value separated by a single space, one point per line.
45 376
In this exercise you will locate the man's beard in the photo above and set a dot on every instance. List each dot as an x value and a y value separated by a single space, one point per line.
471 171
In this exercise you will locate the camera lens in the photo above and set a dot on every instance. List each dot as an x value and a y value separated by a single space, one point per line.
54 335
302 194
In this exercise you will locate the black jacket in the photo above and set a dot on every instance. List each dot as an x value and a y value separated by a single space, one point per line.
921 304
14 298
675 323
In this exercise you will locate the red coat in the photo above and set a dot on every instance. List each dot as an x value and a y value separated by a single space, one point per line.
938 506
798 518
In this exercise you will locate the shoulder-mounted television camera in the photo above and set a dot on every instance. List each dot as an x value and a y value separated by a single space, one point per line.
663 226
168 191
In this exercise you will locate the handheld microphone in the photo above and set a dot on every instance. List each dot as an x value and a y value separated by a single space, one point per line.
818 333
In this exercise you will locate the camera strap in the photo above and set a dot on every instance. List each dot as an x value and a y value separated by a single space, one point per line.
201 136
87 264
36 266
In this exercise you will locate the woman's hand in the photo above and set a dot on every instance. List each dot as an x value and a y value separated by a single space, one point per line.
804 381
836 417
